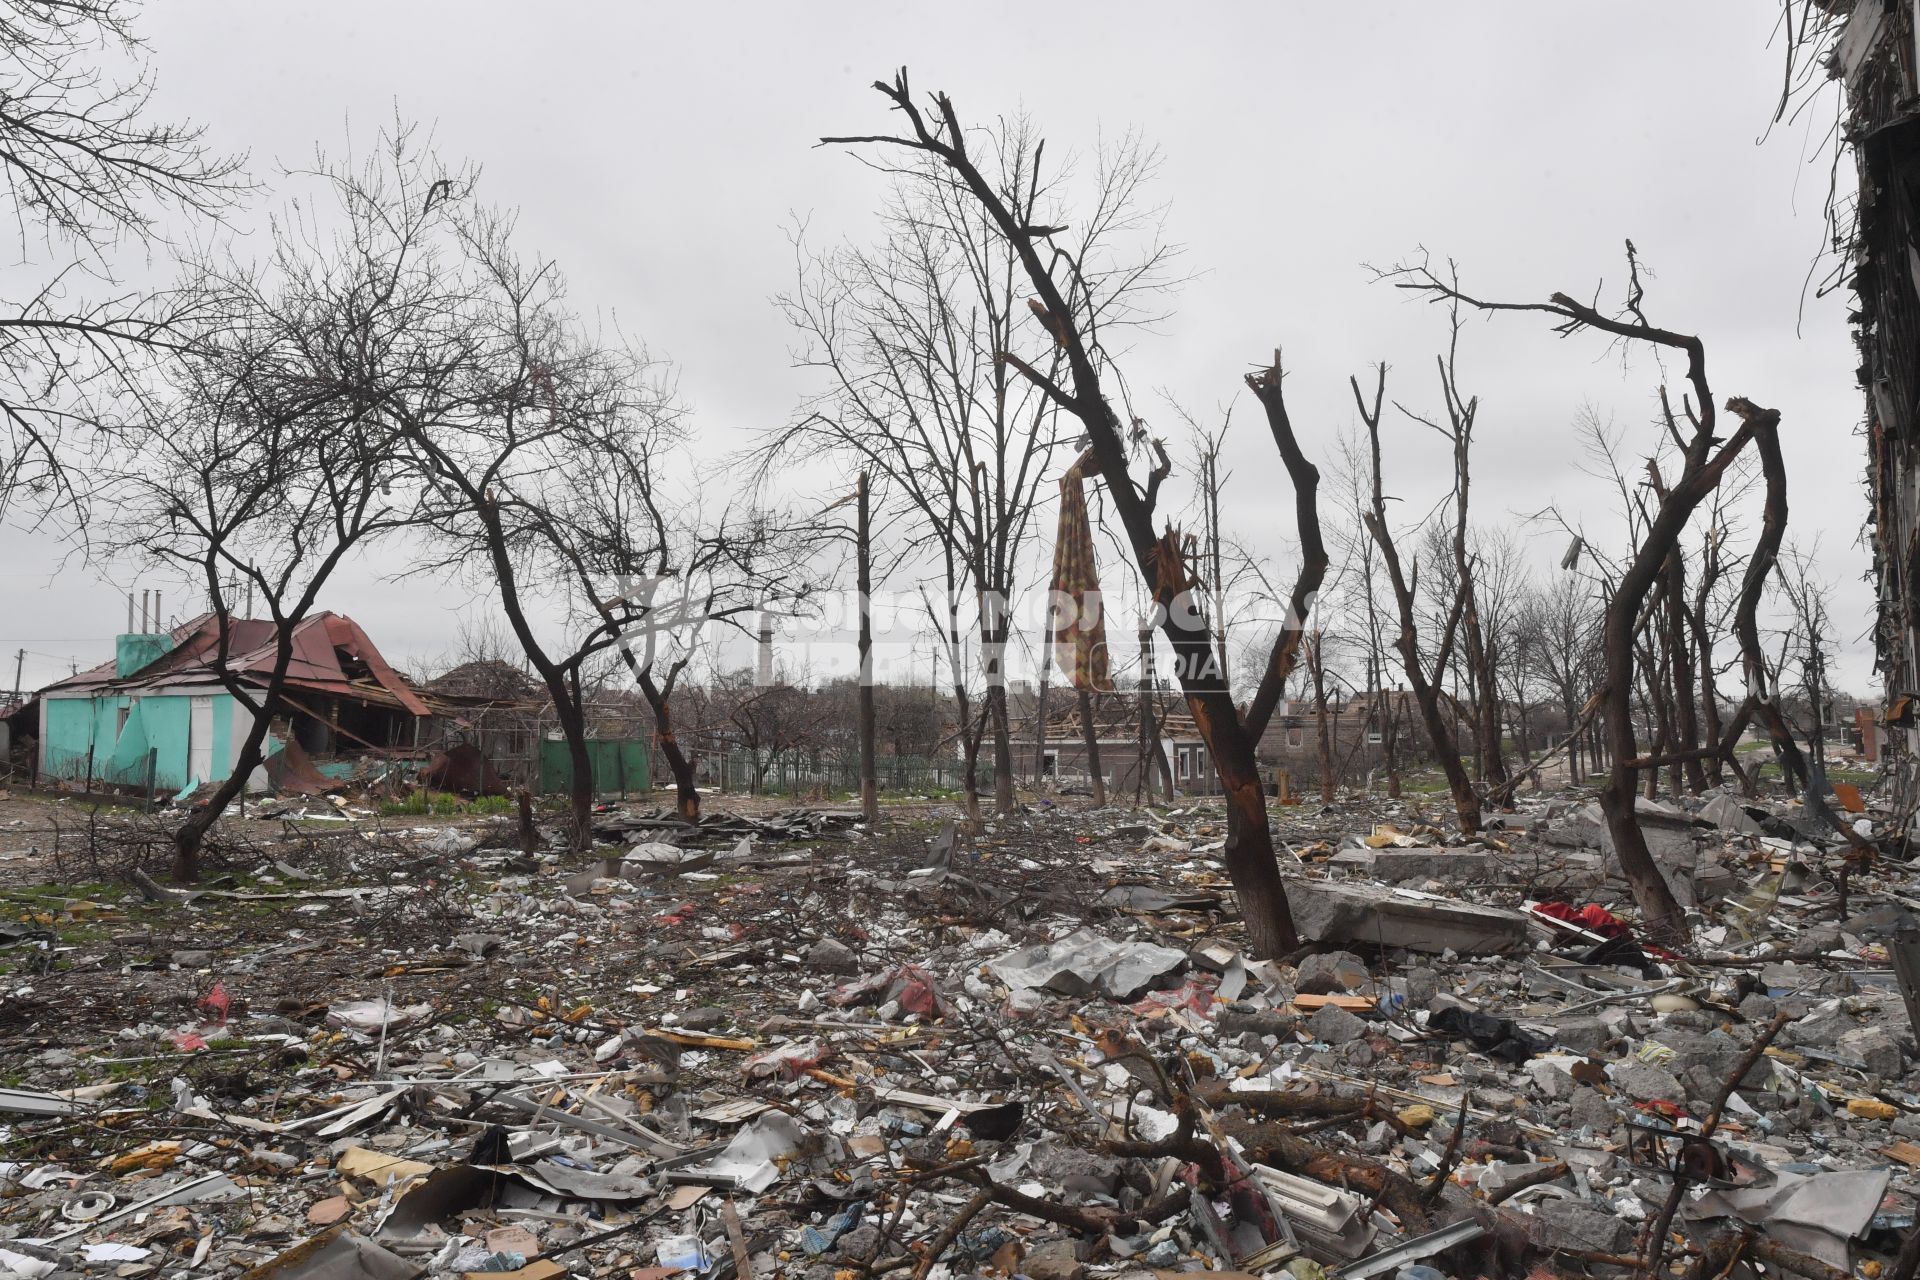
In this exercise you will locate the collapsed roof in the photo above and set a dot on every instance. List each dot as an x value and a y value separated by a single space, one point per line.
331 654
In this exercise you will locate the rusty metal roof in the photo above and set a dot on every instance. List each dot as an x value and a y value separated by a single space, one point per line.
331 654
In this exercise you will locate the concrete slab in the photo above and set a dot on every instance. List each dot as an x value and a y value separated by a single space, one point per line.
1324 911
1398 866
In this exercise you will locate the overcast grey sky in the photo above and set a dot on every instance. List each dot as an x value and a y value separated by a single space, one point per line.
657 151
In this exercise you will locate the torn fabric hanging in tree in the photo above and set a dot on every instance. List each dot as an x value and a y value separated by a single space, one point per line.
1079 631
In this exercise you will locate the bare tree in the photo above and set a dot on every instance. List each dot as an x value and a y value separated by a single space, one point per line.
1707 615
1358 548
908 337
1477 647
1066 305
765 721
1810 636
1426 682
549 474
970 718
1088 701
83 164
1560 628
1315 653
272 456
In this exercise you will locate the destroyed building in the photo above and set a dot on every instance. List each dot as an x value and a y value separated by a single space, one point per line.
1356 731
159 715
1178 751
1874 56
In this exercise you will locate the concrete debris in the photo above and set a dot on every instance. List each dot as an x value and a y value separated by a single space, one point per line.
1084 961
1331 971
784 1044
1569 1224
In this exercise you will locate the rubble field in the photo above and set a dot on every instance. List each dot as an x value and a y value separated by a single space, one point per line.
780 1043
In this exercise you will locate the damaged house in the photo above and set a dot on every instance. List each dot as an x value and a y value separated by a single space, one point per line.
494 730
1182 753
159 715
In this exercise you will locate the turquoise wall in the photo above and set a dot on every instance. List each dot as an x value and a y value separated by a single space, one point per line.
68 737
224 713
161 722
166 717
128 758
132 652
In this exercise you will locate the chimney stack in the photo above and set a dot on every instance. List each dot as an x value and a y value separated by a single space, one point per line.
766 649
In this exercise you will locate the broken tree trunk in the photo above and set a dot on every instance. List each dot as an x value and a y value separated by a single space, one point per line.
1762 693
1316 666
1686 721
1090 746
686 791
1149 731
1704 462
1040 726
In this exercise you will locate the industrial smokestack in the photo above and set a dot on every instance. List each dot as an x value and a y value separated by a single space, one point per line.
156 610
144 614
129 613
766 649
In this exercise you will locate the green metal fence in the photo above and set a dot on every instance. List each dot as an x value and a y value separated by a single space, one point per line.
796 772
619 766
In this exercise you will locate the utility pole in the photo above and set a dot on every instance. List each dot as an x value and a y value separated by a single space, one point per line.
869 782
19 664
1151 760
1040 712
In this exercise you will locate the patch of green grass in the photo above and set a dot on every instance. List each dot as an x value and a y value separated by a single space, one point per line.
444 804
